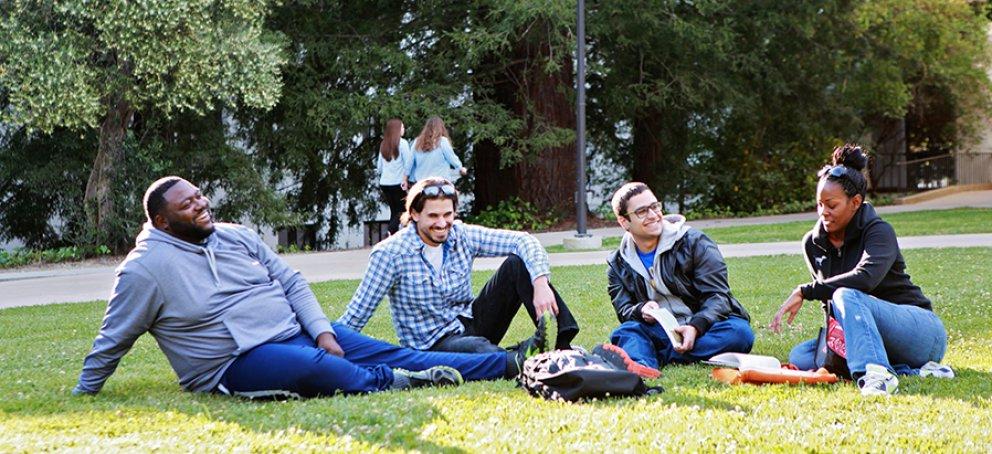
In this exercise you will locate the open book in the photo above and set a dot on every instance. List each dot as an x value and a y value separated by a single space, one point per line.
668 322
744 361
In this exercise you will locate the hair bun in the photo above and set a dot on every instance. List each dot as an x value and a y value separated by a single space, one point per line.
850 155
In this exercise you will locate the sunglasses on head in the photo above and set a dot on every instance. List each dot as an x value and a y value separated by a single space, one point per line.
438 189
642 212
839 171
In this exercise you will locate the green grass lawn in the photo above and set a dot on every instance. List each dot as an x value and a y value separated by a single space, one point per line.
142 407
913 223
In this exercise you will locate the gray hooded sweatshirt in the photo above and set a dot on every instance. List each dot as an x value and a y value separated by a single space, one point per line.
674 229
204 304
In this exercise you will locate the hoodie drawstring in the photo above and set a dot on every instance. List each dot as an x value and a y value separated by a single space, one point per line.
212 261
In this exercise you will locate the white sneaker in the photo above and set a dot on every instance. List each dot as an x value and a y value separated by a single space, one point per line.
877 381
938 370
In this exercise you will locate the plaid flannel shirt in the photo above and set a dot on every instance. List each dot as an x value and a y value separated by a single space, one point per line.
425 304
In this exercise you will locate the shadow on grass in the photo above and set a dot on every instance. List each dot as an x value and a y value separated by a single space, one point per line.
968 385
388 420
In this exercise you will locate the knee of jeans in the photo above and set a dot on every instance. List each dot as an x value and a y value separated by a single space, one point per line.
846 295
744 336
802 357
514 260
628 327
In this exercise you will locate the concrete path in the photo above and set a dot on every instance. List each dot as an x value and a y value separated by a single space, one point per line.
88 283
95 283
976 199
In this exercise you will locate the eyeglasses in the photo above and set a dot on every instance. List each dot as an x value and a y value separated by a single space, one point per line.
435 190
642 212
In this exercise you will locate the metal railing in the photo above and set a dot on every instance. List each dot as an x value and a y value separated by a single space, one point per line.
934 172
930 173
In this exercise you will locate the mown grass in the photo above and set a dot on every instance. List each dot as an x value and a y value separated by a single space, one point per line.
142 407
913 223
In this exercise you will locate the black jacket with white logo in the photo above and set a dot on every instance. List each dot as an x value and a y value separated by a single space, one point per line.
869 261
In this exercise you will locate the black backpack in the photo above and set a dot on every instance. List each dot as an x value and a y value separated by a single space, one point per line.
571 375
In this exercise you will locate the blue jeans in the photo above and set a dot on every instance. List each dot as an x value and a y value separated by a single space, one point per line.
649 345
900 337
297 367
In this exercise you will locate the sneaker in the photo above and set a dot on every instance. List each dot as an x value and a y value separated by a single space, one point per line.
878 381
434 376
548 323
934 369
615 355
517 354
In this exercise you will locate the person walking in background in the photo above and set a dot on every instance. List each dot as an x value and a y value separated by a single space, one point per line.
391 165
432 154
853 255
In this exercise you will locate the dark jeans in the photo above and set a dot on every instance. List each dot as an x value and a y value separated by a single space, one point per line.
648 344
296 367
394 196
493 311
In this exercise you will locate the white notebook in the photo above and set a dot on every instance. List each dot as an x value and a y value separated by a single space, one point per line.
668 322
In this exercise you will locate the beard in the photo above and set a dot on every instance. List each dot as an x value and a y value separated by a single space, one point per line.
190 231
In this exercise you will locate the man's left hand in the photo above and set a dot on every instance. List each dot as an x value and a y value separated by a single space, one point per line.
688 333
544 297
329 343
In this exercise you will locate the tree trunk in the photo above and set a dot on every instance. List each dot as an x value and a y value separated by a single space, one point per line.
546 178
648 150
98 199
660 149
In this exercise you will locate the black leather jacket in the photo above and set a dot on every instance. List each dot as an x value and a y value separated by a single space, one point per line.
693 270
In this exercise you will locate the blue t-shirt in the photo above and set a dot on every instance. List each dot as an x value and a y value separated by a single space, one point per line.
647 258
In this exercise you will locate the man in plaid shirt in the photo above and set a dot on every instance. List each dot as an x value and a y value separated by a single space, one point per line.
426 270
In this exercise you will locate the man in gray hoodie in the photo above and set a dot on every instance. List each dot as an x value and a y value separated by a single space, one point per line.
232 317
663 264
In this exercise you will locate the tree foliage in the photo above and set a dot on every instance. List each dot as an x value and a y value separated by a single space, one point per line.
720 106
83 64
732 106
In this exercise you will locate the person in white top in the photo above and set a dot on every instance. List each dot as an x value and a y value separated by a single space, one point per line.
392 163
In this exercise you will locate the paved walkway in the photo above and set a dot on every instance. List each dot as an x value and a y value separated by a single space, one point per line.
76 284
976 199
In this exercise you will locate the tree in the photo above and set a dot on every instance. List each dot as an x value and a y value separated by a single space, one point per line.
524 66
85 65
733 107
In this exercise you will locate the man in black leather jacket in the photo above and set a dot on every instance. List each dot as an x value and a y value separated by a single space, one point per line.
663 264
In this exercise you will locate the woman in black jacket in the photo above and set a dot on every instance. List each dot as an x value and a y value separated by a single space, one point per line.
888 324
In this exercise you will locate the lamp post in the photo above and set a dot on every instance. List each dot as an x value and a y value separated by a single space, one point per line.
582 239
580 120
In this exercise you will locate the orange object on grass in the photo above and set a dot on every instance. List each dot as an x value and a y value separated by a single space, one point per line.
767 376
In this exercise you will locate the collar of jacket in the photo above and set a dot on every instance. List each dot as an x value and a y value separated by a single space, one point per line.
864 217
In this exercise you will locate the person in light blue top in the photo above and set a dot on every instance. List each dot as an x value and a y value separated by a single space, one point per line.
432 153
393 161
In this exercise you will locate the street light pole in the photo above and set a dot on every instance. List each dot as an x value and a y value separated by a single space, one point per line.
582 239
580 120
